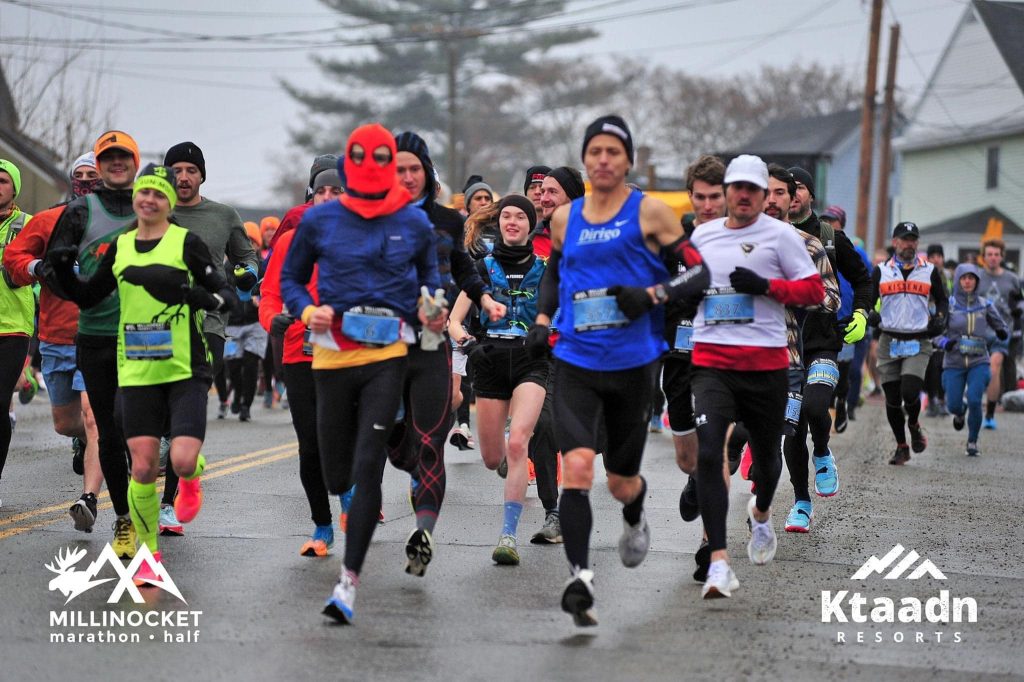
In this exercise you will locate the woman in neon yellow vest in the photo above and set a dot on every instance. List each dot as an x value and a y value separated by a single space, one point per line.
166 280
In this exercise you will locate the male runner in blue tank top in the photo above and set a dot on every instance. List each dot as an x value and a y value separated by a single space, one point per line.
606 277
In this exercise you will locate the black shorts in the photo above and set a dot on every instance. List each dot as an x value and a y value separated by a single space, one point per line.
508 368
584 399
675 382
148 410
758 399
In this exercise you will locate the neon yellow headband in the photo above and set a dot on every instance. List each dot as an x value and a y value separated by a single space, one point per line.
160 178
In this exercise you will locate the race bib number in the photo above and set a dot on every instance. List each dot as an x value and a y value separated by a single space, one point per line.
904 348
972 345
684 337
794 402
307 343
371 327
725 306
148 341
595 309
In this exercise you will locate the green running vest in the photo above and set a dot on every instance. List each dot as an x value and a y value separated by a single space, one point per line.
100 230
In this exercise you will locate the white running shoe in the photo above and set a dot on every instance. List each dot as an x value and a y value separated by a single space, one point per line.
721 581
634 542
341 604
578 598
763 543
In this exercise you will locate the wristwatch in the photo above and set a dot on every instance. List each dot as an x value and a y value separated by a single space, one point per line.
660 295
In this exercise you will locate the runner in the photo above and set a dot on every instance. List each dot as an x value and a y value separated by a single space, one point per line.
58 322
90 224
758 265
965 365
374 252
165 279
533 186
479 195
507 380
933 375
17 303
907 285
1002 288
605 277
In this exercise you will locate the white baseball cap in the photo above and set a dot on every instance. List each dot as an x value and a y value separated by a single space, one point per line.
747 168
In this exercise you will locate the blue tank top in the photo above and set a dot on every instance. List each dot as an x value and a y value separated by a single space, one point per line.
595 257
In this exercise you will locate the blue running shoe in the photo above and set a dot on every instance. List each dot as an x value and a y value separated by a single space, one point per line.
414 485
321 541
826 476
346 504
341 604
799 519
989 423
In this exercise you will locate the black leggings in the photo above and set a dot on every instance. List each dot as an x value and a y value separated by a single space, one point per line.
814 417
721 397
13 351
243 373
97 360
462 414
903 396
355 408
298 379
544 453
933 377
416 444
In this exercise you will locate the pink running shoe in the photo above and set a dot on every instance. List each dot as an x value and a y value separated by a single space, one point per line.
189 500
145 577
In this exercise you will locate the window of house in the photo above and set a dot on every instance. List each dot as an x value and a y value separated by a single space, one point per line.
992 168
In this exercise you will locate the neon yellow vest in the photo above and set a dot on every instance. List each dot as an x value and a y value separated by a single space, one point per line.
154 341
17 304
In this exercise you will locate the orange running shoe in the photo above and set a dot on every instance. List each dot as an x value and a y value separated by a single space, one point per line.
189 500
558 469
145 577
532 470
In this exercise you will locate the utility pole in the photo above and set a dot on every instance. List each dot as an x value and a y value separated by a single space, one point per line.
885 160
867 123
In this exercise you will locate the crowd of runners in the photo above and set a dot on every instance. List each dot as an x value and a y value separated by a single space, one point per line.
378 314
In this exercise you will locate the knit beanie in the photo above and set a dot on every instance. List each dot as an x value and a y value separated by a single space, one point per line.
610 125
535 174
803 177
571 181
15 173
519 201
188 152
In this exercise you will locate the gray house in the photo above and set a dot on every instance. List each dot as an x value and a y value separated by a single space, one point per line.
961 156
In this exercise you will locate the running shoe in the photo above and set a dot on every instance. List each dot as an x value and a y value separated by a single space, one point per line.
222 411
918 441
506 554
29 387
321 541
189 500
958 422
346 505
503 468
419 550
341 604
414 485
235 407
551 532
943 410
763 543
461 436
78 455
656 424
826 475
932 410
989 423
972 450
746 461
558 469
165 453
799 519
901 455
380 516
125 541
169 523
470 441
578 598
83 512
702 557
243 414
721 581
531 472
634 542
145 576
268 398
689 509
842 416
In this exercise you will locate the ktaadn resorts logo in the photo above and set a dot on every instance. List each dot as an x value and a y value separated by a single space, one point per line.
931 617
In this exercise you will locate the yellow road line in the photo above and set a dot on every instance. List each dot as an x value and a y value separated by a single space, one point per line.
239 465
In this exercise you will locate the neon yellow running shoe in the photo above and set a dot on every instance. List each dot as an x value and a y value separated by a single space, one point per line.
125 541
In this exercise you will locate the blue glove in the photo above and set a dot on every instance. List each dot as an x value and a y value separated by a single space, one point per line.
245 281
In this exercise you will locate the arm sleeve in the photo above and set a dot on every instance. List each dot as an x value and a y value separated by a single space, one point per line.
93 290
876 279
207 273
297 269
691 283
271 303
851 267
939 294
547 302
828 278
809 291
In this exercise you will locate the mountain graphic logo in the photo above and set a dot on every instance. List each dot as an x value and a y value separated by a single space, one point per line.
876 566
71 582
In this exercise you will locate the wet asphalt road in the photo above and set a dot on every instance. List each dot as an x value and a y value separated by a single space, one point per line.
468 619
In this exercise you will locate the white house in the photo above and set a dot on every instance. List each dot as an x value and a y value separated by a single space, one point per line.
961 155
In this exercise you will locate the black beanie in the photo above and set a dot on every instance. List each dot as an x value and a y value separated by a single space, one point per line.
803 177
189 152
571 181
609 125
535 174
519 201
409 141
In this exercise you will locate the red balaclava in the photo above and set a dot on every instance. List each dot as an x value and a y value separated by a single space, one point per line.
370 170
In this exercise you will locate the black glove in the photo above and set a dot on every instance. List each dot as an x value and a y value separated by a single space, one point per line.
198 297
1002 334
279 325
537 341
245 278
950 344
747 281
476 351
936 325
62 258
874 318
632 301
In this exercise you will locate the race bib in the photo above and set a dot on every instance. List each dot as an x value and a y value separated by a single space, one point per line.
595 309
823 371
307 343
794 402
684 337
725 306
231 348
513 331
904 348
375 327
148 341
972 345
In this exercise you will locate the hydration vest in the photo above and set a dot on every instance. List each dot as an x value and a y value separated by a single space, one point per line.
905 301
520 303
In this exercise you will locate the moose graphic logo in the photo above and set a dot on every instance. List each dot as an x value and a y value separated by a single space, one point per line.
72 582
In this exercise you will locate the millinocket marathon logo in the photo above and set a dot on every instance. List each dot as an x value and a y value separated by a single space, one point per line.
71 582
937 610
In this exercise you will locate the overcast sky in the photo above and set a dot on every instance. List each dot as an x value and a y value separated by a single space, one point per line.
227 100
